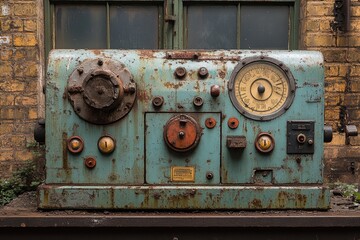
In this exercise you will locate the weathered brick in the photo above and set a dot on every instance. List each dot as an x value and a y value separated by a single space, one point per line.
313 25
13 25
352 100
24 155
6 99
325 25
320 40
25 53
6 54
25 9
355 70
334 55
355 11
27 39
355 140
5 69
6 155
344 70
343 151
23 128
12 86
30 25
334 99
9 113
316 9
26 101
27 69
338 139
353 55
13 141
354 41
6 128
355 87
331 114
335 86
332 70
33 113
354 113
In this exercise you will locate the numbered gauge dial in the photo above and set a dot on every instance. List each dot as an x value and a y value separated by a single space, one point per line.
261 88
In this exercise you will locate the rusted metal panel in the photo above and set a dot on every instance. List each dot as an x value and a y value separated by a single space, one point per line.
168 116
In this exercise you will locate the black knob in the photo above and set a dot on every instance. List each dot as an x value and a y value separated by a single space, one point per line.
261 89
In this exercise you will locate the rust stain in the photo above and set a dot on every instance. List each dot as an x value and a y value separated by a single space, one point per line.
64 149
300 200
256 203
96 52
222 74
171 85
143 96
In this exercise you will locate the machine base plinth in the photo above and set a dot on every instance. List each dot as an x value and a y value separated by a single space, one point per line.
183 197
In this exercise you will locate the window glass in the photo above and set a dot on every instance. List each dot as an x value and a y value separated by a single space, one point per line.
134 27
264 27
211 27
80 26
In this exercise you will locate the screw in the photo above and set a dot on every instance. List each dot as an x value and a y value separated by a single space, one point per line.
181 134
203 72
198 101
209 175
180 72
158 101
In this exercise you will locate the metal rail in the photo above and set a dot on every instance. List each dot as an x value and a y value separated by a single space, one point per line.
180 226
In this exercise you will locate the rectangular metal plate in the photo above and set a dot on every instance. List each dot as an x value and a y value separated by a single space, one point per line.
182 174
306 129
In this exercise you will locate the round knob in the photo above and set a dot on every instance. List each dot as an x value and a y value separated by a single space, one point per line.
106 144
182 133
261 89
264 142
215 90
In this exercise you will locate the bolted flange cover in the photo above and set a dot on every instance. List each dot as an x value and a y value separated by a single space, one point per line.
101 91
182 133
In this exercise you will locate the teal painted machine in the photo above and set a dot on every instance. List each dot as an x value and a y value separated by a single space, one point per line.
144 129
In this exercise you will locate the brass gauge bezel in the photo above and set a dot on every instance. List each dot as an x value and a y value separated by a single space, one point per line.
274 66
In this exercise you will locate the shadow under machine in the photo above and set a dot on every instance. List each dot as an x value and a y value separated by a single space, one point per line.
146 129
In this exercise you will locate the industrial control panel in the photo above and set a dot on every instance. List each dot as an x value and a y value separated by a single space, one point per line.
144 129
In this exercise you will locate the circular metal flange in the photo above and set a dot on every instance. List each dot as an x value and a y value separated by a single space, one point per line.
101 93
261 88
182 133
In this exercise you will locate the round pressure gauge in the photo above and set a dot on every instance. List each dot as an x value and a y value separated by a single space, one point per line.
261 88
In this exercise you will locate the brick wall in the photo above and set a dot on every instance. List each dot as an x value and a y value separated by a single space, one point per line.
21 73
342 83
19 81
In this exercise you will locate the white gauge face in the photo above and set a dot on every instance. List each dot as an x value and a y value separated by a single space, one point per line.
260 89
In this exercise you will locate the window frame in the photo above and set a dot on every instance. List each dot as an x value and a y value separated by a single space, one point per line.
173 32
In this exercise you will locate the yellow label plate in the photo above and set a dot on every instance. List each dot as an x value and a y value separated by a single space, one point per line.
182 174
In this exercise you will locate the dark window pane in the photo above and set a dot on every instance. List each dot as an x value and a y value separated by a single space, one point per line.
134 27
211 27
264 27
80 26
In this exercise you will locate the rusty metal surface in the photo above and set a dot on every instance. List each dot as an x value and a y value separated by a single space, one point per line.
138 173
101 91
182 133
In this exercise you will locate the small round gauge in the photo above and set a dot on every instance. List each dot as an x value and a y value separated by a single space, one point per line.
261 88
